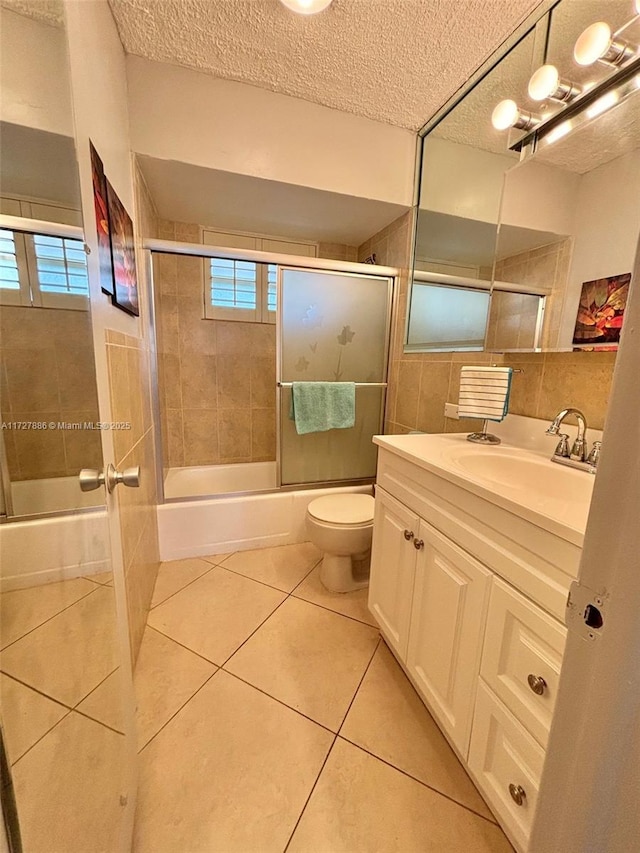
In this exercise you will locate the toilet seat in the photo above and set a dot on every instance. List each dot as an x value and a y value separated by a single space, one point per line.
343 510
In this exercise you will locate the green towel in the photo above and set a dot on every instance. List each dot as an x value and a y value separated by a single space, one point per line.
320 406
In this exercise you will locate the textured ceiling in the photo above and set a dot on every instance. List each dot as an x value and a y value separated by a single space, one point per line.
49 11
395 61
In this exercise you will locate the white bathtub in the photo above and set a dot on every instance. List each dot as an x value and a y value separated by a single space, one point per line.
219 479
219 525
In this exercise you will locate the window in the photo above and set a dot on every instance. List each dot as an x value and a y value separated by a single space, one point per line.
42 271
240 290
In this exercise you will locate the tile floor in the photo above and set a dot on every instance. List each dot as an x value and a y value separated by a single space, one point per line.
273 718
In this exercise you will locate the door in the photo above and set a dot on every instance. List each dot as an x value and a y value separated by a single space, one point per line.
393 560
450 600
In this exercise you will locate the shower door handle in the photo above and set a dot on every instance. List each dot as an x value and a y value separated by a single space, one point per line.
91 478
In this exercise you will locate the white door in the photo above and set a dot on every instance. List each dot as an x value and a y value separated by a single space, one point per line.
393 559
450 601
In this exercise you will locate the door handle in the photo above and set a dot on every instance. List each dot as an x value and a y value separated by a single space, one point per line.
91 479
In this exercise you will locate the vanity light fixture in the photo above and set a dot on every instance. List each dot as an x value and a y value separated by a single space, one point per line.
596 44
602 104
507 114
546 83
306 7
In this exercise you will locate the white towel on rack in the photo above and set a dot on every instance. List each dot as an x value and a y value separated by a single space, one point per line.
484 392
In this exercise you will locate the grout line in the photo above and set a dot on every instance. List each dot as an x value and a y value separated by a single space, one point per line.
336 612
266 619
68 607
313 787
93 689
206 572
182 645
98 722
42 737
419 781
164 725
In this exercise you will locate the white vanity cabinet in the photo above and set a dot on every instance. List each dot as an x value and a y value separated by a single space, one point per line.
469 596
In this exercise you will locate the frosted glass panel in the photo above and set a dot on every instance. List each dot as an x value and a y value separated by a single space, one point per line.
339 454
334 326
445 318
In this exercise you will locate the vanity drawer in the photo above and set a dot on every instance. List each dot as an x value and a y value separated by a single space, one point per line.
522 658
502 756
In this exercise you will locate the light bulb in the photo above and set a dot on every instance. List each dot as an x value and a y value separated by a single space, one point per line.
637 7
592 44
306 7
505 115
544 82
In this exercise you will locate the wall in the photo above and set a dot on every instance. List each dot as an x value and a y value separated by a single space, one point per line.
421 383
48 374
183 115
216 379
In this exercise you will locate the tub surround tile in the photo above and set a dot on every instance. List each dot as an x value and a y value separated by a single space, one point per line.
68 656
22 610
282 567
215 614
388 719
79 761
176 574
308 658
361 804
352 604
26 716
241 767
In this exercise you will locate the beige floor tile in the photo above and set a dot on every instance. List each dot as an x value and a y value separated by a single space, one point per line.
22 610
175 575
68 789
215 614
353 604
388 719
68 656
105 704
361 804
309 658
166 676
283 567
26 716
103 578
230 772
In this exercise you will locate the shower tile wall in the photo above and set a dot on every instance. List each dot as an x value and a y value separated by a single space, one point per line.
216 379
47 374
421 383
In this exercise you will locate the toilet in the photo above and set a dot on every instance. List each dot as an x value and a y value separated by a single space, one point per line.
341 526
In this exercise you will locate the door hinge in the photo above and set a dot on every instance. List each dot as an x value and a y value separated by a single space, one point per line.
586 611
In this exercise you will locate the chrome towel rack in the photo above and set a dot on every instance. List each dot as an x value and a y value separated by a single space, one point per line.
357 384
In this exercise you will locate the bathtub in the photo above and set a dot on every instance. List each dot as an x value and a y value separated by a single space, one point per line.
198 528
219 479
54 494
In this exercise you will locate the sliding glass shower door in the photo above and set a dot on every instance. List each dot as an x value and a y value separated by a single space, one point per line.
333 327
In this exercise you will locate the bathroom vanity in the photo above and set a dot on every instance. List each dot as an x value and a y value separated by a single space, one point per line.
474 550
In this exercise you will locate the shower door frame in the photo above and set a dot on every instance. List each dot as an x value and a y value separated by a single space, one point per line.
152 245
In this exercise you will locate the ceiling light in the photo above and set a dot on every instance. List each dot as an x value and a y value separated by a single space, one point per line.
602 104
558 132
307 7
507 115
546 83
596 45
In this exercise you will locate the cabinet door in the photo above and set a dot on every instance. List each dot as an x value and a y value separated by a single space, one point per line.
393 559
450 602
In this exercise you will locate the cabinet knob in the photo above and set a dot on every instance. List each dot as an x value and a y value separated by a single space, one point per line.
536 683
418 544
408 535
518 794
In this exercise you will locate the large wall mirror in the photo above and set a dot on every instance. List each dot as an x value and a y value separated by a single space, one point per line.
46 344
531 249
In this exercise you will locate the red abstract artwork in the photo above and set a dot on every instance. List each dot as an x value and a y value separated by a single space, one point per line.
601 310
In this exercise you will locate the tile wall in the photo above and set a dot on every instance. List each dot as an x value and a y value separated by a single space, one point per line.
216 379
421 383
47 374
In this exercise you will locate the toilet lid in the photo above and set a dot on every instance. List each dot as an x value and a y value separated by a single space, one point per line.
343 509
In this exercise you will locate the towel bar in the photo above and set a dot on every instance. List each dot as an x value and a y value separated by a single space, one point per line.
357 384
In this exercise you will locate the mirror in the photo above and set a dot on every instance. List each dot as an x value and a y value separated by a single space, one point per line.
525 232
48 401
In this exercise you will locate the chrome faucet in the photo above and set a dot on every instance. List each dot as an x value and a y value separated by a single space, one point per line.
577 456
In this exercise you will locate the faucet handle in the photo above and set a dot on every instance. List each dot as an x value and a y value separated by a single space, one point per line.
593 457
579 450
563 446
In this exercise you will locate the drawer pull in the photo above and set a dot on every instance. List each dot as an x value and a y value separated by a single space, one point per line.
408 535
418 544
518 794
537 683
